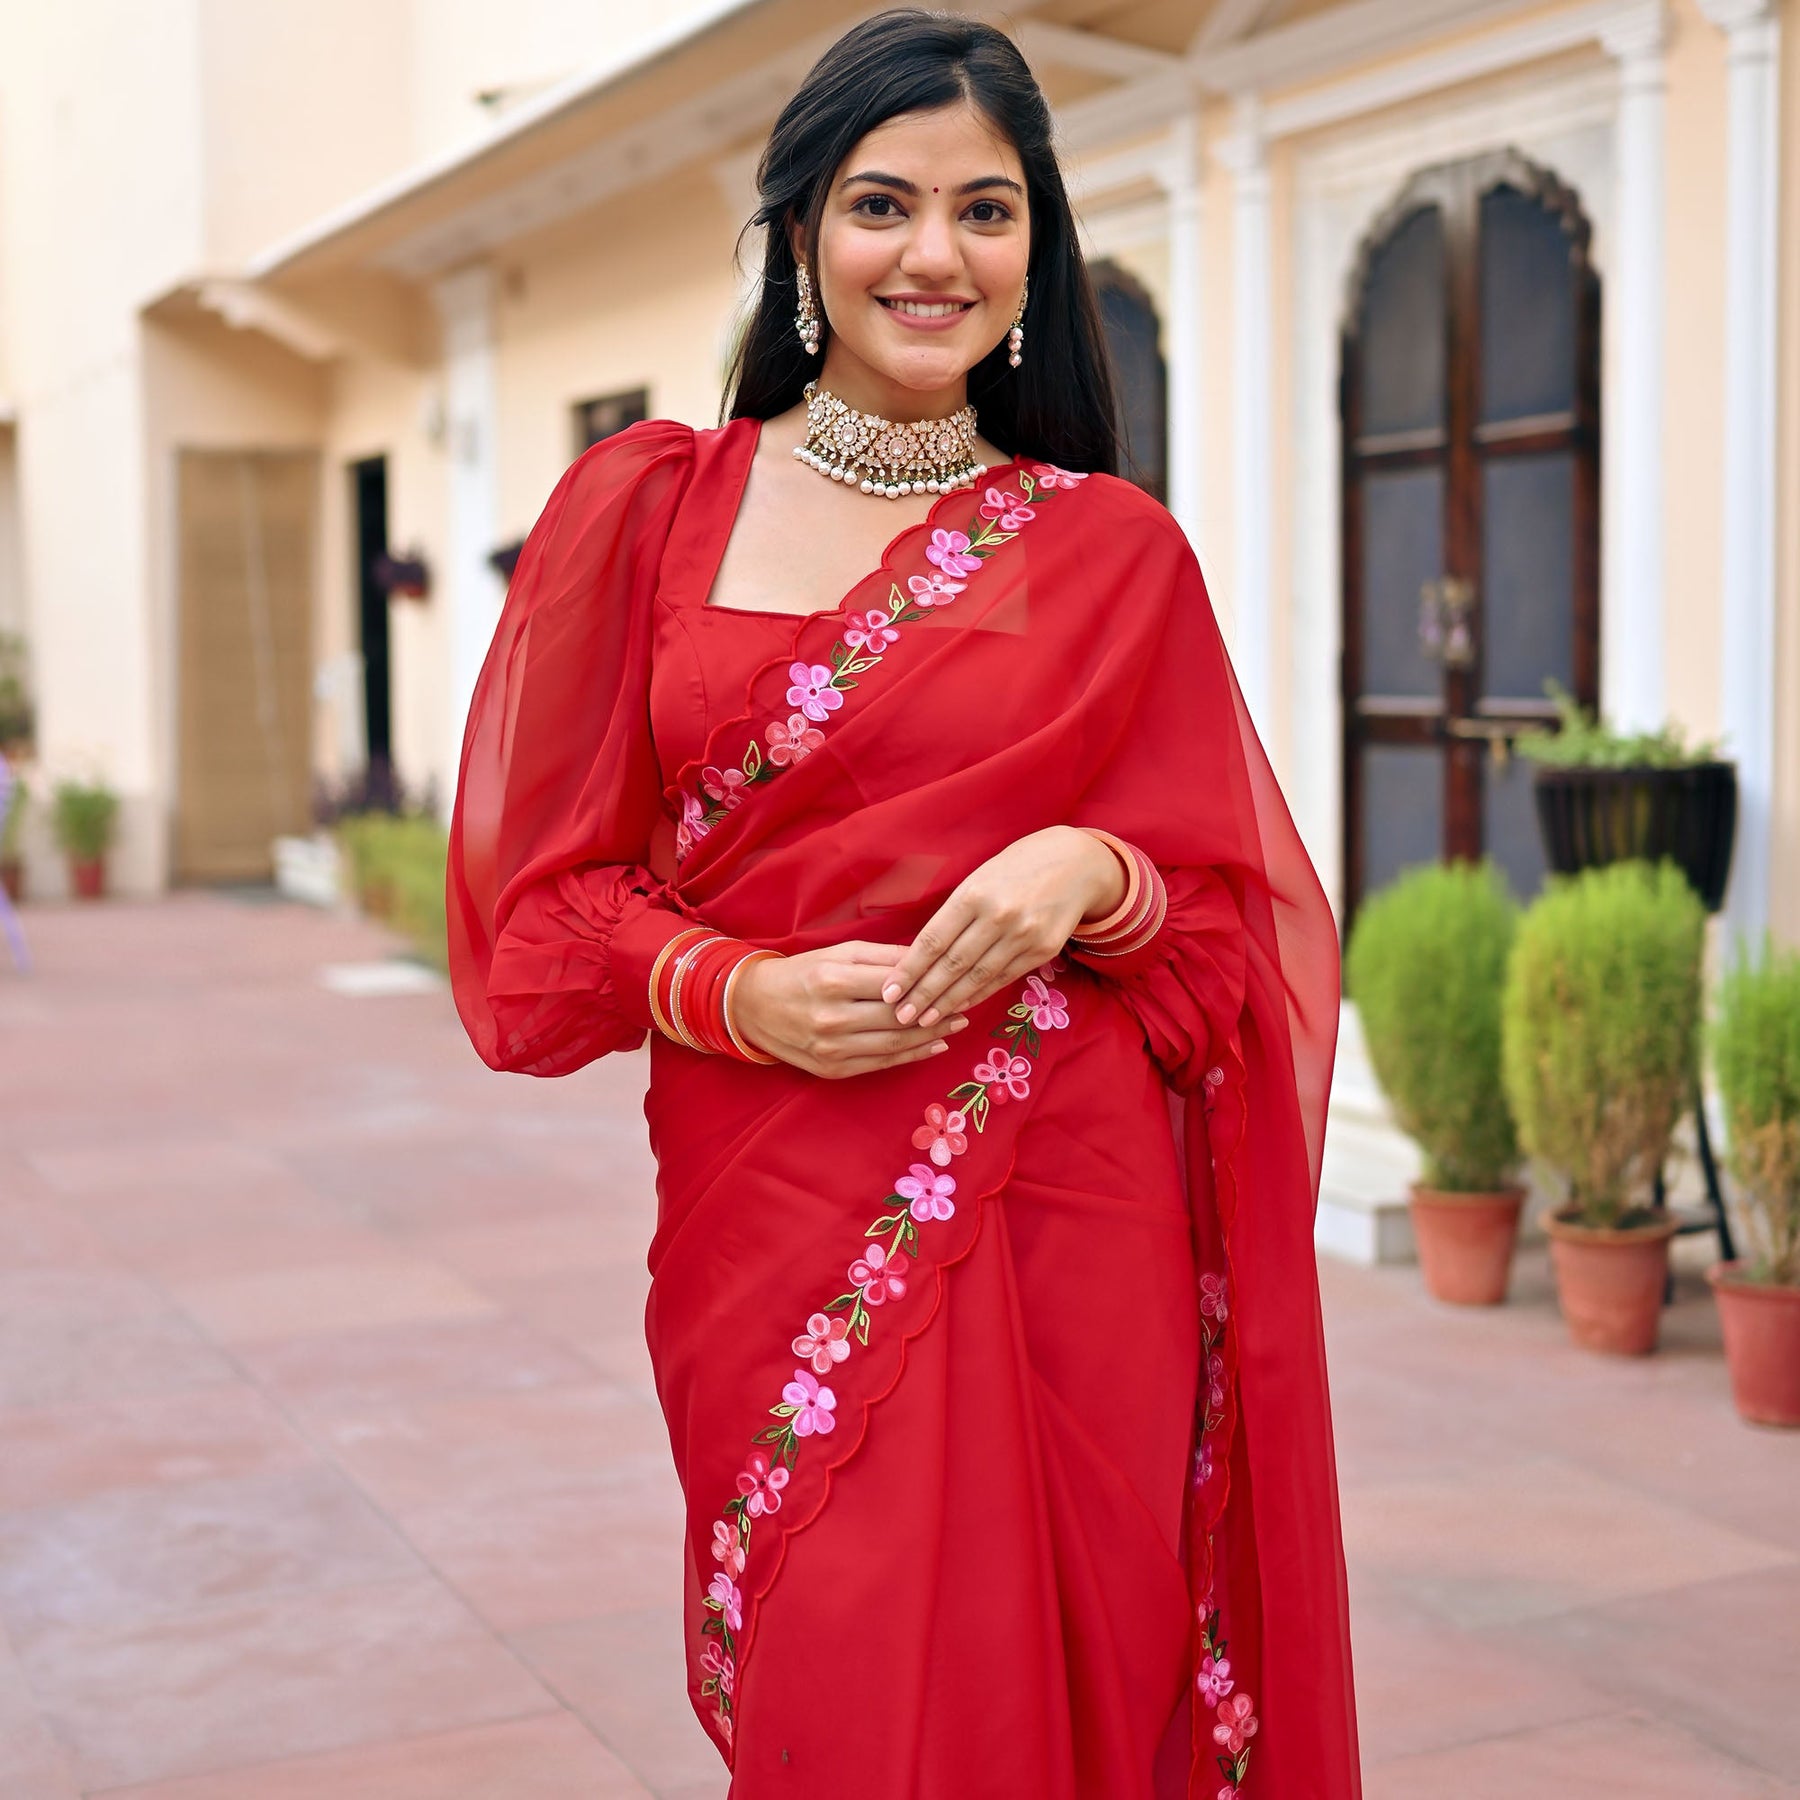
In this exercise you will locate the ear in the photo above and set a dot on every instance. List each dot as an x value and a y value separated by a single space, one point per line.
796 232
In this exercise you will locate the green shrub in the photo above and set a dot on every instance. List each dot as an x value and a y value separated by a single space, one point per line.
83 814
1587 742
396 869
1600 1024
1756 1054
12 827
1425 965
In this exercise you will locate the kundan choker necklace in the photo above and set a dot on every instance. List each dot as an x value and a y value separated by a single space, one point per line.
885 456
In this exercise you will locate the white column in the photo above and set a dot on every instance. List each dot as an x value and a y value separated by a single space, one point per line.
1185 336
471 589
1245 154
1632 685
1747 688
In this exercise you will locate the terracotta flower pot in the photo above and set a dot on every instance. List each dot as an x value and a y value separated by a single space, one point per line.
87 877
12 878
1466 1242
1762 1344
1610 1282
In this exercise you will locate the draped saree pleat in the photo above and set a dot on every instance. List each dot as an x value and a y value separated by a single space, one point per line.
1050 1510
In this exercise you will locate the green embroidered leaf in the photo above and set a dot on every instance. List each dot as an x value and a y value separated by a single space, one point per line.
710 1686
861 1329
752 760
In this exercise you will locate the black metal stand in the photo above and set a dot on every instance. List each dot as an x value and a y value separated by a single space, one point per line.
1714 1218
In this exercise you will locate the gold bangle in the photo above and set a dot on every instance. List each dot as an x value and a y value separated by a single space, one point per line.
750 1051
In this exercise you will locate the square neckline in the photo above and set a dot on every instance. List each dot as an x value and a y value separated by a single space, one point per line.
709 556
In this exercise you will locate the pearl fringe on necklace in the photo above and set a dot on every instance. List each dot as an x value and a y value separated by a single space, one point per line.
887 456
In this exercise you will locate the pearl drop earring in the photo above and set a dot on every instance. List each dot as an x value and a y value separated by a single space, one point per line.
1015 339
806 320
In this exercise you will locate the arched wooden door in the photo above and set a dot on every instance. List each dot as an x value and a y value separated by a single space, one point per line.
1470 402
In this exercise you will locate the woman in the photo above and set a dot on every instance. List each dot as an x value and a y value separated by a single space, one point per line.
991 1002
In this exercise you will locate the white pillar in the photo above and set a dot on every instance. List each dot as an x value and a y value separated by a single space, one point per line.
1245 154
1633 692
1747 688
1185 337
471 588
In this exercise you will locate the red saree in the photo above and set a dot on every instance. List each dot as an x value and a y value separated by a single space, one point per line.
995 1382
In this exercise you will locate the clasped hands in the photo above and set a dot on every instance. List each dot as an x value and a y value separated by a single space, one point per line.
851 1008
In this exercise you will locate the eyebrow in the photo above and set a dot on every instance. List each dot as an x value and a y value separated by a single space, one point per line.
907 187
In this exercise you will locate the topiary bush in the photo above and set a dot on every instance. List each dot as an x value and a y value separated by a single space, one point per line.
397 874
1756 1055
1426 964
1600 1028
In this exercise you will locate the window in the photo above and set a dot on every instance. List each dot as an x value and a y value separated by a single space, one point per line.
597 419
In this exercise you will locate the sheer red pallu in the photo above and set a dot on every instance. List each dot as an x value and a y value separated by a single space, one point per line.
995 1382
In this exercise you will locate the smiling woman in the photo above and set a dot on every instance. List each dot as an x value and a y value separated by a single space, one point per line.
991 1001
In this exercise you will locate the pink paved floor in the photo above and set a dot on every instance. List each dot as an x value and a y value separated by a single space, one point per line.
329 1464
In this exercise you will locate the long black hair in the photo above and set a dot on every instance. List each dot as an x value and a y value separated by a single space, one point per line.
1059 403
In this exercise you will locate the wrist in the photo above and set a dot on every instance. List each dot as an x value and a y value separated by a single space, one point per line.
1111 883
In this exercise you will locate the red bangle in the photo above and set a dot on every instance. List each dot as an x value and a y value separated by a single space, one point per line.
690 988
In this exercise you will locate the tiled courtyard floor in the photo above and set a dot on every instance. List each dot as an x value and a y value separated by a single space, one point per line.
330 1467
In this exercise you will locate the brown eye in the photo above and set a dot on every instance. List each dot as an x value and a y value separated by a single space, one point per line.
867 204
989 212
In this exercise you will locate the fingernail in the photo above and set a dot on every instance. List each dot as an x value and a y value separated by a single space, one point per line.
905 1014
892 992
956 1024
929 1017
939 1045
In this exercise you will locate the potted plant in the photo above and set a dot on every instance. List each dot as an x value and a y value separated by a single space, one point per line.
15 697
13 798
1606 796
83 815
1425 965
1599 1027
1756 1055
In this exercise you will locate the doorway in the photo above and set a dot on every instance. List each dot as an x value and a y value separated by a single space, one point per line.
1470 414
369 497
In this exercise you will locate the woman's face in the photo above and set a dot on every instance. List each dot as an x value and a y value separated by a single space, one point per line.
921 261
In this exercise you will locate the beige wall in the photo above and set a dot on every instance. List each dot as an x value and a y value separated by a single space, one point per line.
1785 878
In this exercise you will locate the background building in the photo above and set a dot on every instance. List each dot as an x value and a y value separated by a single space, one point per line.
305 306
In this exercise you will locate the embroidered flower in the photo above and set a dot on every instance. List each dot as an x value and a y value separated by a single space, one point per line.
949 550
1048 971
1214 1680
789 742
870 631
723 1720
928 1191
727 1549
813 1405
1203 1464
1009 511
1050 476
693 816
724 1592
1005 1075
824 1342
934 590
880 1276
1213 1302
812 691
1215 1379
715 1661
724 784
1228 1792
761 1485
1049 1009
1237 1724
941 1136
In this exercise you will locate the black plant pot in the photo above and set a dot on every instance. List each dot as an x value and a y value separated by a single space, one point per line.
1590 817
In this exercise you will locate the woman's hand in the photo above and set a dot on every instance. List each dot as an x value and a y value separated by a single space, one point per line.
822 1011
1009 915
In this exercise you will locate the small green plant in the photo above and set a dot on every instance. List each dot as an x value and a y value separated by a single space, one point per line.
15 691
83 815
1756 1055
397 868
12 823
1426 965
1600 1024
1587 742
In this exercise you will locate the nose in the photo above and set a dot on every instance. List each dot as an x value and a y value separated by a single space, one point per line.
930 252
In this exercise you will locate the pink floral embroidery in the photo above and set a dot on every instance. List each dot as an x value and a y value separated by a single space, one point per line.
941 1136
824 1342
761 1485
1050 476
933 590
1048 1007
724 784
1203 1464
1215 1378
929 1193
789 742
1006 1077
1009 510
812 690
881 1277
1215 1678
949 550
726 1548
715 1661
812 1405
1213 1303
871 631
724 1594
1237 1724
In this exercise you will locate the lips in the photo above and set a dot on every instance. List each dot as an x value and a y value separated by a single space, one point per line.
926 309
